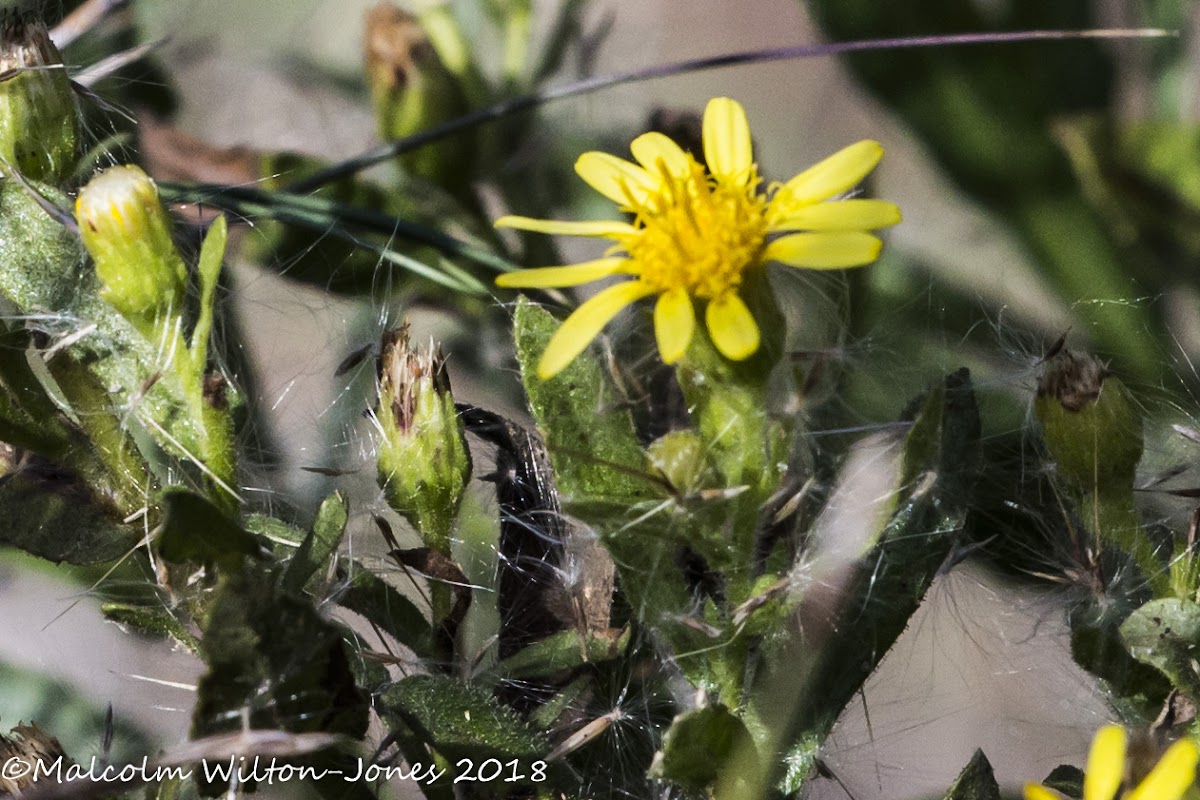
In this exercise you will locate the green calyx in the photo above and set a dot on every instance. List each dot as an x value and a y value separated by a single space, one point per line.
38 116
1090 424
424 464
128 234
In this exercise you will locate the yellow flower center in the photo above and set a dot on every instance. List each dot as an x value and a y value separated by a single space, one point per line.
696 232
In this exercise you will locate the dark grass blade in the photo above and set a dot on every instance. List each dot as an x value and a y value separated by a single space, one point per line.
594 84
345 222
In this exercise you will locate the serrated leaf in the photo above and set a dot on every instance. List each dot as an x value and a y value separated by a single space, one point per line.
382 604
593 445
461 720
939 460
977 781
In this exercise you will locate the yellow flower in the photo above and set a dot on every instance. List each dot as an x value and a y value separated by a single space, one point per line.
1168 780
696 232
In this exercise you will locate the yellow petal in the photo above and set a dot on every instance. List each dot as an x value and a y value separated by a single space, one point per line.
674 323
558 277
1035 791
727 139
824 250
652 149
839 173
838 215
1105 764
733 329
615 178
1171 776
599 228
574 335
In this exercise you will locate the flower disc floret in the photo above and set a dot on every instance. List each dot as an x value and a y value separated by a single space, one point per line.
697 230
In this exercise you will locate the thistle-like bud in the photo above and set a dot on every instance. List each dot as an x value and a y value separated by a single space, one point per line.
128 233
38 117
424 464
412 89
1090 424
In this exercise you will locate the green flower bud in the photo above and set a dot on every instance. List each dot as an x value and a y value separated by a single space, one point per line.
412 89
128 233
1091 426
424 464
38 115
681 458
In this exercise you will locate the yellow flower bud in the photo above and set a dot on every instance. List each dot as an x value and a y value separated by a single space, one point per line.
128 233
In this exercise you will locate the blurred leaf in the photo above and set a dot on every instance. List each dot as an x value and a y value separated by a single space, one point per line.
50 513
1066 779
988 122
698 748
67 713
272 656
276 531
1165 634
150 621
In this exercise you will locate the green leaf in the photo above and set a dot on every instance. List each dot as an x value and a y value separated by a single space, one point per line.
461 720
592 444
977 781
196 530
320 544
562 652
50 513
1165 634
29 419
700 745
382 604
286 537
150 621
271 655
212 254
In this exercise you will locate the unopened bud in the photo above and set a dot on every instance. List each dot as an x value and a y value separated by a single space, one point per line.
38 116
424 464
128 233
412 90
1090 424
